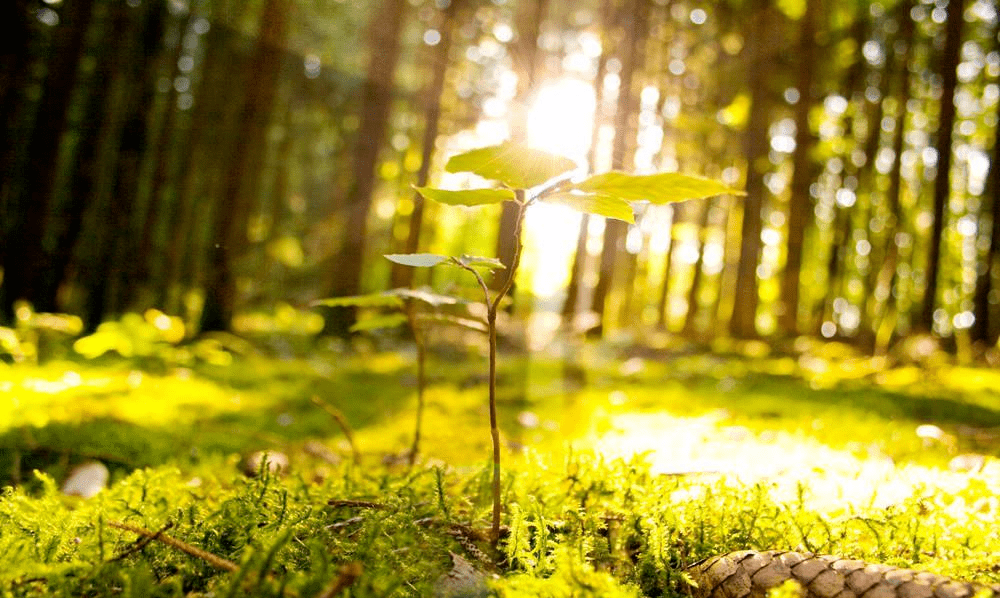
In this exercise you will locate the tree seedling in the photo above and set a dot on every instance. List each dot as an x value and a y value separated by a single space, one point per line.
527 176
403 305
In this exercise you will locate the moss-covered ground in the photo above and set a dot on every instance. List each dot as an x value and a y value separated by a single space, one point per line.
621 466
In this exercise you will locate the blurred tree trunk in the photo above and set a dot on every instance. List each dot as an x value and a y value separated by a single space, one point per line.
691 319
229 234
756 145
678 212
943 145
525 59
384 41
803 172
884 319
613 246
572 304
107 284
22 254
985 328
402 276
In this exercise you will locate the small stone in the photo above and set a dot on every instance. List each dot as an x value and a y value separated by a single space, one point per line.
463 581
277 463
86 479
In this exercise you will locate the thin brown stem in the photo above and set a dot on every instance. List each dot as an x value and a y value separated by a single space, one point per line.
418 339
342 422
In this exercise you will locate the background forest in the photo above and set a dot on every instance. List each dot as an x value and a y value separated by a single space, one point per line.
217 159
204 390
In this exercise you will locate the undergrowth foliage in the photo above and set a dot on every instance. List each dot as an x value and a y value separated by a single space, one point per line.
587 528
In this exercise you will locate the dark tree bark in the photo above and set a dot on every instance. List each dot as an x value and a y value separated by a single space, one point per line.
229 235
22 253
985 329
743 322
803 173
632 27
942 181
402 276
377 94
107 284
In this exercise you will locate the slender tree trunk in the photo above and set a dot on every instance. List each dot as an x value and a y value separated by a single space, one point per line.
691 320
525 58
800 203
23 255
615 230
942 181
572 303
402 276
377 94
743 322
985 329
229 237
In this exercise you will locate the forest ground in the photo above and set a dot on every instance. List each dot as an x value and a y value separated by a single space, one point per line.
820 448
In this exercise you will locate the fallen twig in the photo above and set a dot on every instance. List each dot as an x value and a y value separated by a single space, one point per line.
216 561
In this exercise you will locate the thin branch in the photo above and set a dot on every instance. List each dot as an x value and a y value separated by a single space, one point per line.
216 561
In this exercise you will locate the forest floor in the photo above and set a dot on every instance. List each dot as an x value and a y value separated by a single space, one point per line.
622 465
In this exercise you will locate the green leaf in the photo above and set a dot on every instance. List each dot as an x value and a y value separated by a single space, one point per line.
370 300
486 262
417 260
667 187
378 322
466 323
514 165
593 203
432 299
467 197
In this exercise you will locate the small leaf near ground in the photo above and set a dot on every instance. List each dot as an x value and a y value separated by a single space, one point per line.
467 197
593 203
417 260
514 165
667 187
486 262
379 322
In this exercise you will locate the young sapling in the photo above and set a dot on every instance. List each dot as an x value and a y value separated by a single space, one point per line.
527 176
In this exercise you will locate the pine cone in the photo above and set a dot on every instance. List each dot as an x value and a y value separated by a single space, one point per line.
750 574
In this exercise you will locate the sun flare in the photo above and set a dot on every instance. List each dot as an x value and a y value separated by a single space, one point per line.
560 121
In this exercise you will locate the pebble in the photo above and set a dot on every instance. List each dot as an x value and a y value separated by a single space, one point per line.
86 479
277 462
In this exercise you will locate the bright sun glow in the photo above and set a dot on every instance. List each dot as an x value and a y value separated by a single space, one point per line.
560 120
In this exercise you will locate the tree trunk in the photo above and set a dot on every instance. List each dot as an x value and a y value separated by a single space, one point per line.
229 236
525 59
985 329
691 319
632 27
402 276
800 203
377 94
743 322
942 181
22 254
